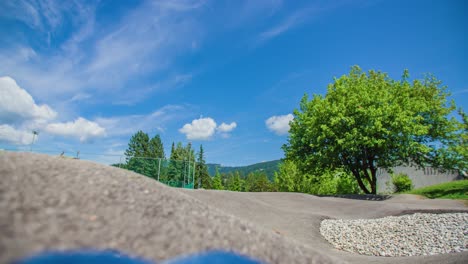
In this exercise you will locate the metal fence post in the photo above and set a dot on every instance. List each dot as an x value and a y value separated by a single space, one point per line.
159 168
193 175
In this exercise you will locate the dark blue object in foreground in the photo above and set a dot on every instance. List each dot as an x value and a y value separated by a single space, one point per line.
214 257
114 257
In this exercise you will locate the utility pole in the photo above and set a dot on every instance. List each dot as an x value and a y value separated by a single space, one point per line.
35 133
193 174
159 168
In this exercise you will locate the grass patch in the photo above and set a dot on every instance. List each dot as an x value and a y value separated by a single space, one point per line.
448 190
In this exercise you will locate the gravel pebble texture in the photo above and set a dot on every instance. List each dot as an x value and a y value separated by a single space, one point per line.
395 236
51 203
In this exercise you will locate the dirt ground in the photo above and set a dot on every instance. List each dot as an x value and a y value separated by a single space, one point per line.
51 203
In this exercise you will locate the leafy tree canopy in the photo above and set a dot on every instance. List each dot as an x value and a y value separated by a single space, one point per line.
368 121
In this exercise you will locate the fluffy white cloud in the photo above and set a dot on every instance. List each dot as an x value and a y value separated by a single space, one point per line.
81 128
199 129
19 115
279 124
12 135
205 128
225 128
17 105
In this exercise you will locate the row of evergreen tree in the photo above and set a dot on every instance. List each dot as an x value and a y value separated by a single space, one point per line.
146 156
234 181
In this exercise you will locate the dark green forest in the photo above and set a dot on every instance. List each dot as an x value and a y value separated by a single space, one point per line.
268 167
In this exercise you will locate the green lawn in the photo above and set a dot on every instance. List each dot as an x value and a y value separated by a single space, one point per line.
448 190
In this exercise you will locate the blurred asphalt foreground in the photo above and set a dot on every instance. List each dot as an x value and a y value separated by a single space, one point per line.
51 203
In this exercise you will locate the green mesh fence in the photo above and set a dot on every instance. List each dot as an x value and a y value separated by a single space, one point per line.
174 173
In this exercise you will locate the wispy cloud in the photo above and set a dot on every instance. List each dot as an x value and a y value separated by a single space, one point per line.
141 46
300 16
462 91
170 83
289 22
153 122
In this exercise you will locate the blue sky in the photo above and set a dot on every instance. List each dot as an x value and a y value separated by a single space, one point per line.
225 74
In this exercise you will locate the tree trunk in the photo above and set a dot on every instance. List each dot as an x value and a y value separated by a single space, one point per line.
359 180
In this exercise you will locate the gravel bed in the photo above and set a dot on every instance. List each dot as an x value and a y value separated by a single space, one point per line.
394 236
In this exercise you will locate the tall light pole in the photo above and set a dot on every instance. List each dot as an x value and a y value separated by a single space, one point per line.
35 133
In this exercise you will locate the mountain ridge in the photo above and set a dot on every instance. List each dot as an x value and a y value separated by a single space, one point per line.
269 167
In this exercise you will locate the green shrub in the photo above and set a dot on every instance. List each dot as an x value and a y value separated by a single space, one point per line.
333 182
401 183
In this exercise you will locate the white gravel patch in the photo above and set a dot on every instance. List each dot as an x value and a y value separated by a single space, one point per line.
395 236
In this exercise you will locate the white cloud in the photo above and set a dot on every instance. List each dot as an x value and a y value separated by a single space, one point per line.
205 128
19 115
199 129
12 135
17 105
279 124
81 128
129 124
225 128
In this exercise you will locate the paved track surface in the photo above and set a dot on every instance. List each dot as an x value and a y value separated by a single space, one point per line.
54 203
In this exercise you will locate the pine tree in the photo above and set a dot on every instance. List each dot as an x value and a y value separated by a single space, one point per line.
202 177
217 181
235 182
174 166
156 148
155 155
137 152
138 146
172 151
181 164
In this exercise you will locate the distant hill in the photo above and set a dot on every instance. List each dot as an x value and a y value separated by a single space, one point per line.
269 167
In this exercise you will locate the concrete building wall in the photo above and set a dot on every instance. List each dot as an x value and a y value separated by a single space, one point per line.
420 177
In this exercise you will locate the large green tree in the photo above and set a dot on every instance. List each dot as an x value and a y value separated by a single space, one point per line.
462 146
368 121
458 150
